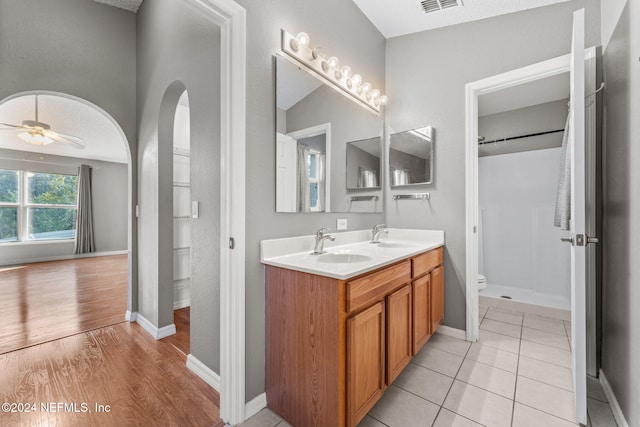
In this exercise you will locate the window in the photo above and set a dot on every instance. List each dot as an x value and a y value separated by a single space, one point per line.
37 206
313 169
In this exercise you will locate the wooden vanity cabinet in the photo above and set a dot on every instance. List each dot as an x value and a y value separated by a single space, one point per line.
334 346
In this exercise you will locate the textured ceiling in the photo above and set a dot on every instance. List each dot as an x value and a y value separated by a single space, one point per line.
400 17
130 5
103 140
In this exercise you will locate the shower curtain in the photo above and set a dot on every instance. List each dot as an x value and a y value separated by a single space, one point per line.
303 202
562 215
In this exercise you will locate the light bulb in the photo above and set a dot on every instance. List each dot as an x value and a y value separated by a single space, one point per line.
333 62
366 87
317 52
343 72
303 39
376 102
384 100
375 93
356 80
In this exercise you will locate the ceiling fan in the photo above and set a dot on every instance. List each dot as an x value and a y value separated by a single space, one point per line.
39 133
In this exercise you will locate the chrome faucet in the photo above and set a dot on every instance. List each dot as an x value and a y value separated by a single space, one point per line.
321 236
378 230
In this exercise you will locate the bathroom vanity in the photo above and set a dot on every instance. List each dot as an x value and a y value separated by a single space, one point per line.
341 326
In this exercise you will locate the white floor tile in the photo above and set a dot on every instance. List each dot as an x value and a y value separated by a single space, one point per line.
283 423
600 414
438 360
399 408
546 338
447 418
546 354
594 389
494 357
546 324
499 341
479 405
501 328
504 316
546 398
567 327
424 382
524 416
368 422
547 373
449 344
488 378
264 418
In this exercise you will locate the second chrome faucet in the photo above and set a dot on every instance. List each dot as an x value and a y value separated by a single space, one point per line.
377 231
321 236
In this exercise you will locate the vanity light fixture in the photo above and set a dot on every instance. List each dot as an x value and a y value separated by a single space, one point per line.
328 69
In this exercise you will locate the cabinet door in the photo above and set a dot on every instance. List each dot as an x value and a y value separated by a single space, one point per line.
437 298
365 361
421 312
399 339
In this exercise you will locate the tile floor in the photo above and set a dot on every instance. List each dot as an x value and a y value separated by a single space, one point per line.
518 374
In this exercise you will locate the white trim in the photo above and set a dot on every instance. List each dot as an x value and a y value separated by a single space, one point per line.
183 303
130 316
153 330
64 257
540 70
231 17
451 332
255 405
204 372
613 402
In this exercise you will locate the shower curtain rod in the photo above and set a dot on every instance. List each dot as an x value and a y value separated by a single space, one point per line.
482 142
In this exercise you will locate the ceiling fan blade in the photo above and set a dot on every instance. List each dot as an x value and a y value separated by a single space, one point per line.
68 139
10 126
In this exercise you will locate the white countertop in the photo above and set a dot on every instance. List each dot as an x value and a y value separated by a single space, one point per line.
294 253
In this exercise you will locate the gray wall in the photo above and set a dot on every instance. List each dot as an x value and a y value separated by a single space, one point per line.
621 293
342 30
523 121
349 122
426 75
109 183
176 43
81 48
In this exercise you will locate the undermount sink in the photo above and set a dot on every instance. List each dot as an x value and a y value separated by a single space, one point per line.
343 258
392 244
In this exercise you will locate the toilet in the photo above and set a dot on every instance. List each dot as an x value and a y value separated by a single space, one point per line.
482 282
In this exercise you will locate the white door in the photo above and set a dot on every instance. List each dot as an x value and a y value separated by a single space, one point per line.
577 223
285 173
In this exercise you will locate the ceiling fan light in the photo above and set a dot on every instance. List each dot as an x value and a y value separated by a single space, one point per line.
35 138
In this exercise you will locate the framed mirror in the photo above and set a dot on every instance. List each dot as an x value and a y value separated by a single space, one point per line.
411 157
363 164
316 129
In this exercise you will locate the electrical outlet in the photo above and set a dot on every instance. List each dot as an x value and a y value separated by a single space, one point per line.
341 224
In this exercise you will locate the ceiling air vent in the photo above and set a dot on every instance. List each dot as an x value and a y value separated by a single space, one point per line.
429 6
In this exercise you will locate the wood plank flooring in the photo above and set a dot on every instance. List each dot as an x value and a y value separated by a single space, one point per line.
50 300
144 382
180 340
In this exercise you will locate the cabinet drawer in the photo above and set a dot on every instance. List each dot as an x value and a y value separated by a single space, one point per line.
426 262
375 286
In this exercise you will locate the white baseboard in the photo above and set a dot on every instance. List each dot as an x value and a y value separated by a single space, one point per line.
613 402
452 332
153 330
64 257
204 372
255 405
130 316
177 305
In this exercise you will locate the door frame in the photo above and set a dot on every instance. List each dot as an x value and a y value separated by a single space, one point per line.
231 18
530 73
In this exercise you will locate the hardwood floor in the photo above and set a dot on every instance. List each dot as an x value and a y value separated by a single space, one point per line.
181 318
145 382
50 300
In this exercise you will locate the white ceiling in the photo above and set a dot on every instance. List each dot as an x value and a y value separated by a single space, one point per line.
102 138
525 95
290 94
399 17
130 5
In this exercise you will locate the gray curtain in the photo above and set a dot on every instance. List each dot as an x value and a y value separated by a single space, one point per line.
562 215
303 202
84 219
